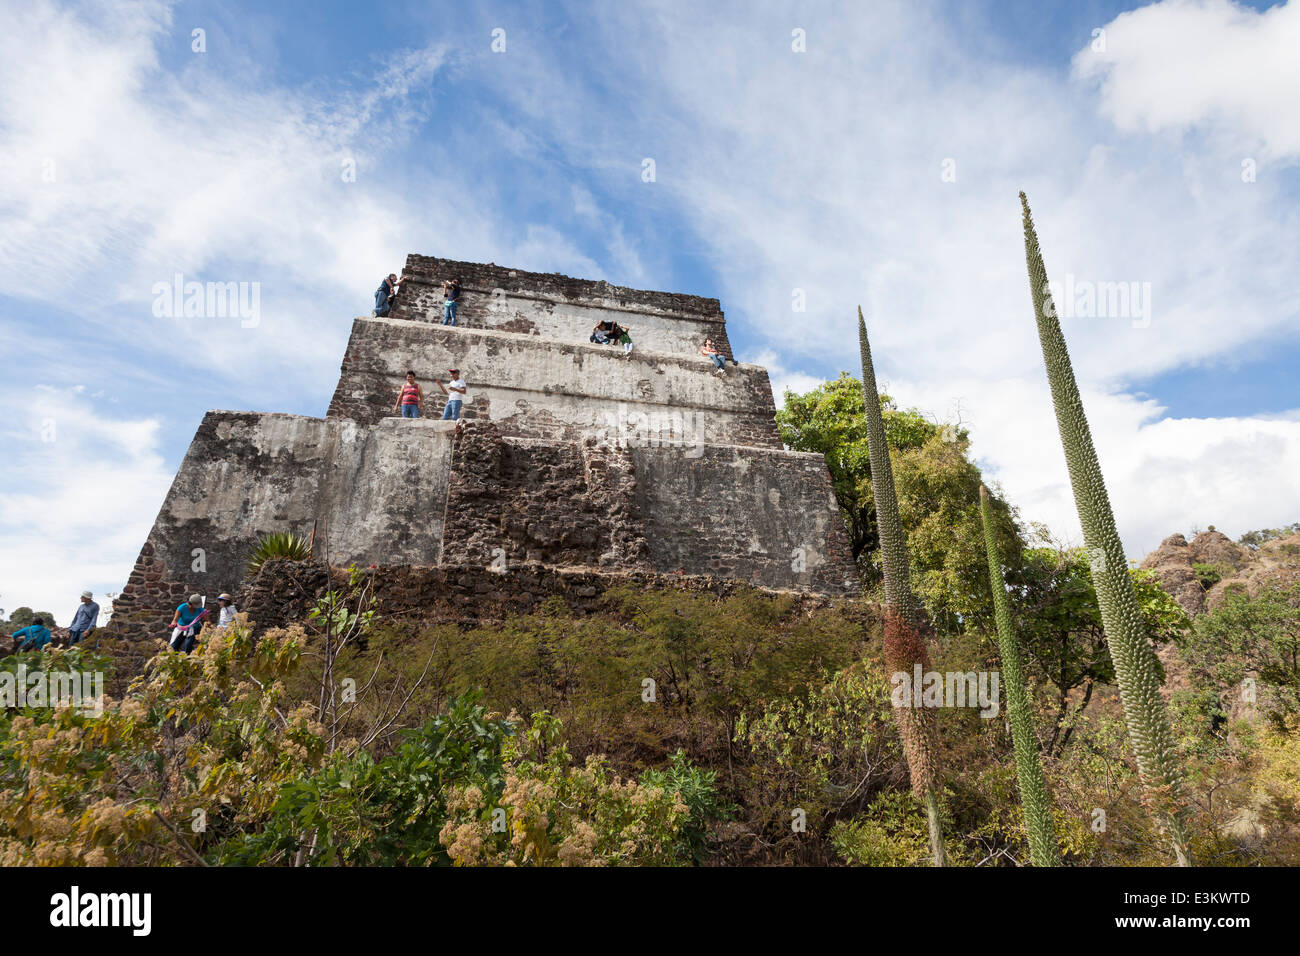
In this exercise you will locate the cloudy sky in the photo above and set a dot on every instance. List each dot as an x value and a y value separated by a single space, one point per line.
829 153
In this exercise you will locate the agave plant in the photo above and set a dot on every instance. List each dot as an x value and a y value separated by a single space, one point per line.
904 617
1136 668
1043 848
281 544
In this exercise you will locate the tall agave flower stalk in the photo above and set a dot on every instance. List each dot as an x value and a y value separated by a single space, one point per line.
904 618
1043 848
1135 662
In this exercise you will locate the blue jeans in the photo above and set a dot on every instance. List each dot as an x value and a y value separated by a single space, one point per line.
74 637
452 410
381 303
187 642
410 411
449 312
718 360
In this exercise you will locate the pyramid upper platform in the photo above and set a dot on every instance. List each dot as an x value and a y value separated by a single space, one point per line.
558 307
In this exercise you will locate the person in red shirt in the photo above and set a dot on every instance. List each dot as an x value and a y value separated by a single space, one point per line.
409 398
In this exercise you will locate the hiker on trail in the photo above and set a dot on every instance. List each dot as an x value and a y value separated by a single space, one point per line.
385 294
455 390
228 610
186 624
451 300
601 331
409 398
85 620
709 351
33 637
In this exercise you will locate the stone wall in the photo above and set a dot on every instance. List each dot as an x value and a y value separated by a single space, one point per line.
516 500
532 387
366 495
768 517
471 594
570 456
556 306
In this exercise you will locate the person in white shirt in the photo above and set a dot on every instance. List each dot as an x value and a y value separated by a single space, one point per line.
455 390
228 610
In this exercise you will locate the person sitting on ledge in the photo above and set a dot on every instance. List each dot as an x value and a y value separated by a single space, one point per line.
451 300
186 624
623 338
601 331
409 398
85 620
228 610
709 351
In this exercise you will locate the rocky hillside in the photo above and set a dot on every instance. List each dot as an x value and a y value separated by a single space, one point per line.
1198 572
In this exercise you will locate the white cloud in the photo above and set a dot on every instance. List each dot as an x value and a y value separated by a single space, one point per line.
79 493
1183 64
823 172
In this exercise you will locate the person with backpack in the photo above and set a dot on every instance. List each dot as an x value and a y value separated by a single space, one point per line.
186 623
34 637
409 398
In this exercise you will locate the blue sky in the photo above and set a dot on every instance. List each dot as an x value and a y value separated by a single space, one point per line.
879 164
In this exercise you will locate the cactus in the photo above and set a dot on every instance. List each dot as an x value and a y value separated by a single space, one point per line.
904 619
1043 848
1136 667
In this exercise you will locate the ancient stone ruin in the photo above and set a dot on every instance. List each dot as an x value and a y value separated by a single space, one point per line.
570 456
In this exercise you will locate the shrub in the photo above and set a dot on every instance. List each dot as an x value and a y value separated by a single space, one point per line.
281 544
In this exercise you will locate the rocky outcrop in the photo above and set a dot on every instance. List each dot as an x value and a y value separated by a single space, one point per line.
1174 563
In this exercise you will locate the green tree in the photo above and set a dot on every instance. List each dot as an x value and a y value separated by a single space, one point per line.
936 486
1252 636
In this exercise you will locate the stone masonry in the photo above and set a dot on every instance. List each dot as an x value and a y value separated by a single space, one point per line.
569 456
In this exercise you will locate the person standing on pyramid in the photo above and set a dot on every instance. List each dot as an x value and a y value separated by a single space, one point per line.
409 398
451 300
455 390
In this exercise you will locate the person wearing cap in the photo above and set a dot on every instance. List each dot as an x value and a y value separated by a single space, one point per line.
186 624
228 610
85 620
451 300
455 390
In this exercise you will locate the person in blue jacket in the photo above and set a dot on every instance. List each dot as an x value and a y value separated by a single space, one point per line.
34 637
